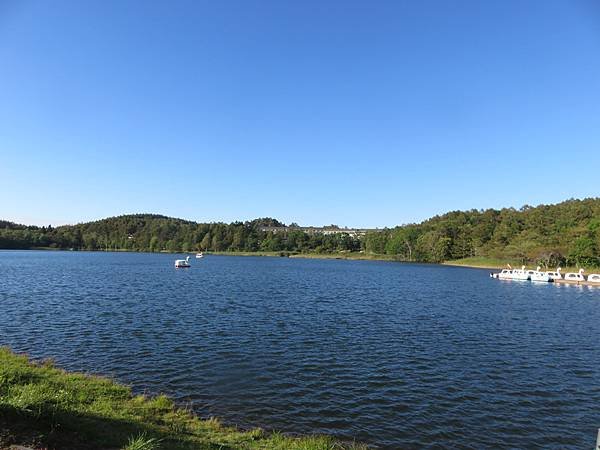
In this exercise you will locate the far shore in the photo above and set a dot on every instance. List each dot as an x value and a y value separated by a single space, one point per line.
471 266
339 255
479 262
475 262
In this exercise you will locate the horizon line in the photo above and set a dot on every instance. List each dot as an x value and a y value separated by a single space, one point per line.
28 221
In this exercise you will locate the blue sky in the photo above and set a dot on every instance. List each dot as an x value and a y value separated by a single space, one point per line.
356 113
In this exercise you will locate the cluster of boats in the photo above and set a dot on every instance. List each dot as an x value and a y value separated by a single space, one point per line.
185 263
556 276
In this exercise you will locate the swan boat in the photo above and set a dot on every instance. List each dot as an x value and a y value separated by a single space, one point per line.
578 278
199 255
520 274
182 263
555 275
572 277
505 274
536 275
511 274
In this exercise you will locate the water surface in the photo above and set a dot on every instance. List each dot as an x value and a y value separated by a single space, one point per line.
394 355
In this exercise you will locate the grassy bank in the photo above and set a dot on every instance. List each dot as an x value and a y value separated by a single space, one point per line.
277 254
476 262
335 255
45 407
482 262
347 255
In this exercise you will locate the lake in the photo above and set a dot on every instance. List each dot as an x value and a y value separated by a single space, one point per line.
395 355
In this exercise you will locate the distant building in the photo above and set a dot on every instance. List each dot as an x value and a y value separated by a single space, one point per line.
354 232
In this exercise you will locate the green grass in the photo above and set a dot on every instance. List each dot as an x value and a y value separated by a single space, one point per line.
43 406
313 255
495 263
142 442
483 262
258 253
348 255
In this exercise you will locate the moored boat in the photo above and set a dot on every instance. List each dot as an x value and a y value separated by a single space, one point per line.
594 279
520 274
505 274
555 275
182 263
573 277
511 274
536 275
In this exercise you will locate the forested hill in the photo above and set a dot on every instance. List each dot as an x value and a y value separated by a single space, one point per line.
568 232
143 232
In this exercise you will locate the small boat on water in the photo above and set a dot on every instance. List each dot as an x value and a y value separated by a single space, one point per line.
578 278
536 275
505 274
199 255
182 263
555 275
508 274
574 278
520 274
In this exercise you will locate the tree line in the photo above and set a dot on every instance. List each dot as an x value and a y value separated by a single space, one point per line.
153 233
565 233
549 235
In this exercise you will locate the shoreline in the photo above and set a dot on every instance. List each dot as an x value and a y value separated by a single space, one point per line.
467 263
47 407
470 263
355 256
483 265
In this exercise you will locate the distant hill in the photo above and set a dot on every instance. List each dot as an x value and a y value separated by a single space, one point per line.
568 232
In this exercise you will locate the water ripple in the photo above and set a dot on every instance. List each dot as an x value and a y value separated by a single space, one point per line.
395 355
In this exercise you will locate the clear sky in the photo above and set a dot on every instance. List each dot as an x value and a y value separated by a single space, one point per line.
371 113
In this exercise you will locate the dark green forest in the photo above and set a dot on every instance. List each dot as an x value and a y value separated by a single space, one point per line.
565 233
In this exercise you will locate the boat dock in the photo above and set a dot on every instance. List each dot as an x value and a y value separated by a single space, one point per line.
570 278
577 282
